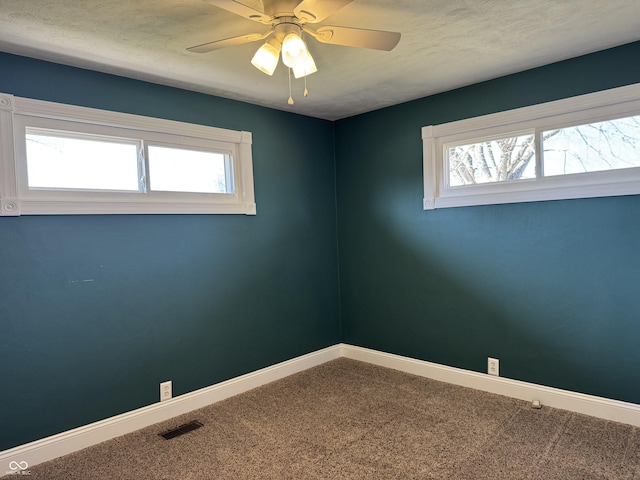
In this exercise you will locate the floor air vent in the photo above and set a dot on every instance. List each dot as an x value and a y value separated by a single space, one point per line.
181 430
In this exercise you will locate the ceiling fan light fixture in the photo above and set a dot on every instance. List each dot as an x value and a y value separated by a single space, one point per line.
307 67
288 20
267 56
294 50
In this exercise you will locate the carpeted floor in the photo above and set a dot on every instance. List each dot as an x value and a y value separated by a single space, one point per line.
351 420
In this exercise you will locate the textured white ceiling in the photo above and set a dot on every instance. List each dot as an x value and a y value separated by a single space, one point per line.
445 44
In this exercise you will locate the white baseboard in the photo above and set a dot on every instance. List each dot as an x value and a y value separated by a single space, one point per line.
73 440
600 407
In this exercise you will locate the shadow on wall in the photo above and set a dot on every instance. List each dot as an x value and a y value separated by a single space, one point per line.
549 288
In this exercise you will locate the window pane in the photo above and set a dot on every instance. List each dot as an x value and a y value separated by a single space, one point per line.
593 147
498 160
72 162
181 170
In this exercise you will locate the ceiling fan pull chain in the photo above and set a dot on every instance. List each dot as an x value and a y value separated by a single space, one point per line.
306 92
290 101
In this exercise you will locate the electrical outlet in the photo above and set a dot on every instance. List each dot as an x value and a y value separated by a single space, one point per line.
165 391
493 366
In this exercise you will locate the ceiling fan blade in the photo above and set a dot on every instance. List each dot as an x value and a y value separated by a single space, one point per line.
228 42
314 11
357 37
241 9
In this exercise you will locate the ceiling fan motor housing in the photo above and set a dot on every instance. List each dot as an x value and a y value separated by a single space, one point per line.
283 8
286 25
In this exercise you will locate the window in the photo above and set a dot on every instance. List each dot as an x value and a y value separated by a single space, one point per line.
595 147
585 146
492 160
181 170
60 159
64 160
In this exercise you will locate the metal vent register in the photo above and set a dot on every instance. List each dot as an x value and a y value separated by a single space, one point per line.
181 430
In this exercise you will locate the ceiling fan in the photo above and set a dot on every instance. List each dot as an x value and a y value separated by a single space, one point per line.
288 20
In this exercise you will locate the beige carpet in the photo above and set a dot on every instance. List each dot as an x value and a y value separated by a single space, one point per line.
351 420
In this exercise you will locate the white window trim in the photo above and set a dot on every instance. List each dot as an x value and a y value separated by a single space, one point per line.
16 199
594 107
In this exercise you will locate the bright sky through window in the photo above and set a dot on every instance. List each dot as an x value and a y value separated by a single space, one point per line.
593 147
55 161
181 170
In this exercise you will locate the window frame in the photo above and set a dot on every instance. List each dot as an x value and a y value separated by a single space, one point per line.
16 198
584 109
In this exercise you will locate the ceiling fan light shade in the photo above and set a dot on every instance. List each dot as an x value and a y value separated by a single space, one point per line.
306 68
267 56
294 50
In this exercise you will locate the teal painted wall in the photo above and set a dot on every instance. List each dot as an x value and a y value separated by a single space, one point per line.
195 299
552 289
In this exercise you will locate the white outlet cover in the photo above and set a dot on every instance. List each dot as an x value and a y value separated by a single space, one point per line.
165 391
493 366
